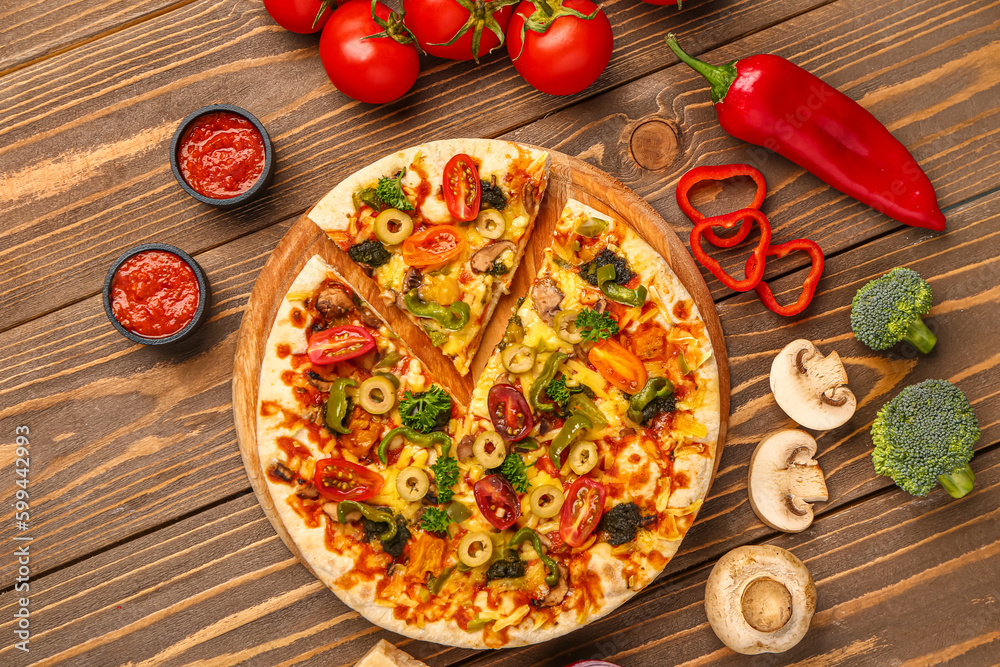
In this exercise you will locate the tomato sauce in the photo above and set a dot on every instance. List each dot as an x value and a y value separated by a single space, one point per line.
221 155
154 294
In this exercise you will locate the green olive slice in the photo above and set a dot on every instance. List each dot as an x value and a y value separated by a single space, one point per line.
546 501
489 449
490 223
583 457
518 358
565 324
412 484
377 394
392 226
475 549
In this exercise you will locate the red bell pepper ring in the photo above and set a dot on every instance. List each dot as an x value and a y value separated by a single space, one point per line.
763 290
720 173
754 271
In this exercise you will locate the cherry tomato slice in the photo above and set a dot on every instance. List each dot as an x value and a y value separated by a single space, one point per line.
435 246
582 510
618 366
338 480
497 501
339 344
509 412
462 187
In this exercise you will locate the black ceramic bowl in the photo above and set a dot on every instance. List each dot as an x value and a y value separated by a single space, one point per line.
200 315
263 180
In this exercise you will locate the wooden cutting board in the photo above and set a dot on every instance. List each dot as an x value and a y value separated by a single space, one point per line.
569 178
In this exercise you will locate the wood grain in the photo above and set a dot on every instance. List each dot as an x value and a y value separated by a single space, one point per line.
569 178
84 135
33 30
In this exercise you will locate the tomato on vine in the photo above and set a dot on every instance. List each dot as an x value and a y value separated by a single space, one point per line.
301 16
559 46
458 29
368 53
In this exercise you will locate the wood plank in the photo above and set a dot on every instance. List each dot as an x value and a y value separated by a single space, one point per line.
31 30
84 136
219 588
922 68
167 455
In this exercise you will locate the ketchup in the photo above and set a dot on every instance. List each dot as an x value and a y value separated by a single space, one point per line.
221 155
154 294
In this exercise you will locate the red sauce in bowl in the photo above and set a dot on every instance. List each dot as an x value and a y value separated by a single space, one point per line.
221 155
154 294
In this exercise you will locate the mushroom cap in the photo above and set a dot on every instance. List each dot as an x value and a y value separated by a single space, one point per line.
810 388
760 586
784 478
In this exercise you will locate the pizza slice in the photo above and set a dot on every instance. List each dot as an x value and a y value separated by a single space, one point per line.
441 229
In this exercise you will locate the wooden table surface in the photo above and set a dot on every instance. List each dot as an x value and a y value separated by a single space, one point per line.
147 545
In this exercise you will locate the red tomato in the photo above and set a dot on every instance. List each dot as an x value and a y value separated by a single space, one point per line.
569 55
339 344
462 187
436 22
338 480
375 70
497 501
435 246
618 366
299 15
509 412
582 510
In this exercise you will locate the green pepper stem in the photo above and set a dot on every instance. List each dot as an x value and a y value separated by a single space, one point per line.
720 77
958 483
920 336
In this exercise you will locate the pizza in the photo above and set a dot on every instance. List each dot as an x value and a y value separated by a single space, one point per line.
561 490
441 228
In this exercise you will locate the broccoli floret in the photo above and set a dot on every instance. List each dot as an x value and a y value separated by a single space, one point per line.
394 547
492 196
925 435
623 274
888 309
371 252
622 523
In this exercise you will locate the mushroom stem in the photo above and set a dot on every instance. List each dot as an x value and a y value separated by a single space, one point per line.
766 604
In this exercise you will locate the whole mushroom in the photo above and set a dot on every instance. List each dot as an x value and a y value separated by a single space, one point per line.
810 388
784 478
760 599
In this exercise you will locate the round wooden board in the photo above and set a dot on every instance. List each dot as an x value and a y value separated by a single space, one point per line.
569 178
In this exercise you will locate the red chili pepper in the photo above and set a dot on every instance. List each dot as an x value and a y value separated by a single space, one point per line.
755 271
763 290
766 100
720 173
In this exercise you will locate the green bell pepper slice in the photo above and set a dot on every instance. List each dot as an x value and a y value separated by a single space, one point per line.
427 440
585 405
542 381
658 387
615 292
574 425
552 579
367 511
336 405
435 584
452 318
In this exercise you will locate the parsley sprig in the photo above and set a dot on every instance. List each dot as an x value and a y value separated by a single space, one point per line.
422 411
390 192
435 520
515 471
557 391
595 326
445 471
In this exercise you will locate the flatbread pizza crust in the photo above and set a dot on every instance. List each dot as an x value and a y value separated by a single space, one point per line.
691 469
